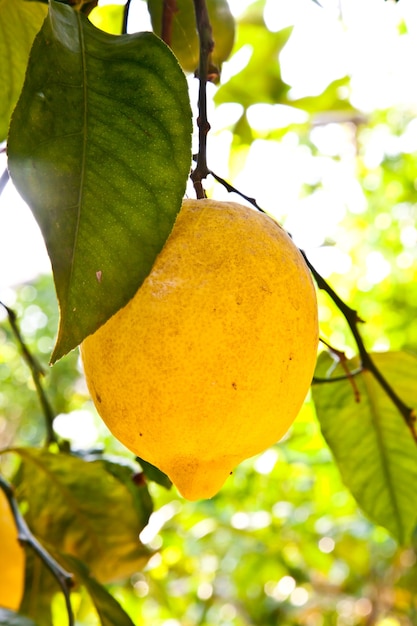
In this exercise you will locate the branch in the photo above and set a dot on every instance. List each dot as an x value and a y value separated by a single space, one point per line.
25 536
37 373
232 189
125 17
352 318
201 170
343 361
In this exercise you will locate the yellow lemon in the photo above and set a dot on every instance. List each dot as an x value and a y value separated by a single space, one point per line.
12 559
211 360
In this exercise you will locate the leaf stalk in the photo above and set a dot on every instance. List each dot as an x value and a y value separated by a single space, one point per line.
204 30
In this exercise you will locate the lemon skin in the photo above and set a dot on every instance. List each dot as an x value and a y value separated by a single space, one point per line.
211 360
12 559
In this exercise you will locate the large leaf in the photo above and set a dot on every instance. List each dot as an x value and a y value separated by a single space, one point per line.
372 445
19 23
90 509
99 147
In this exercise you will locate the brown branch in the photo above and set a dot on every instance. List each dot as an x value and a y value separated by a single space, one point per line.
343 360
201 170
37 374
25 536
126 16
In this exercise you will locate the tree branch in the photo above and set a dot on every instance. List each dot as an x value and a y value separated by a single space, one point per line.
126 16
201 170
37 373
64 578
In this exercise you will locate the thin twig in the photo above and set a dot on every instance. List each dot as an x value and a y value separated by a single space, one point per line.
37 373
232 189
317 380
342 360
352 318
126 17
201 170
25 536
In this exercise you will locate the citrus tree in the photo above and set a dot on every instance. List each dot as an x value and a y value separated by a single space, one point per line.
197 322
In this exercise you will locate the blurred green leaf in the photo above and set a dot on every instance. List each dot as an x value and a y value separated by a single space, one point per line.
19 23
183 31
100 148
260 80
109 610
89 509
40 588
373 447
108 18
10 618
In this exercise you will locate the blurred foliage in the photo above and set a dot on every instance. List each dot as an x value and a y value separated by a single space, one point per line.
284 542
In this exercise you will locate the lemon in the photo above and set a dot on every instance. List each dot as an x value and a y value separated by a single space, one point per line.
184 38
12 559
211 360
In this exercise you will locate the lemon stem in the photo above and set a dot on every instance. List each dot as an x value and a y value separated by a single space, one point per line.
25 536
204 30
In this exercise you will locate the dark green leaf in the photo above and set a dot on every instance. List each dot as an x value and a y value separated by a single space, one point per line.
10 618
372 445
91 510
19 23
99 147
109 610
153 473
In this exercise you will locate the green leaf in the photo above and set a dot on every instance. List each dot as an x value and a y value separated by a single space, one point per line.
371 443
40 588
100 148
154 474
109 610
10 618
108 18
183 34
19 23
260 80
89 509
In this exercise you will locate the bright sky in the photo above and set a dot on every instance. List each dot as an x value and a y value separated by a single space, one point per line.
321 48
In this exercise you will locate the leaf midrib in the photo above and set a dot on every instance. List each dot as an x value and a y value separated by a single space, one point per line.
385 464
